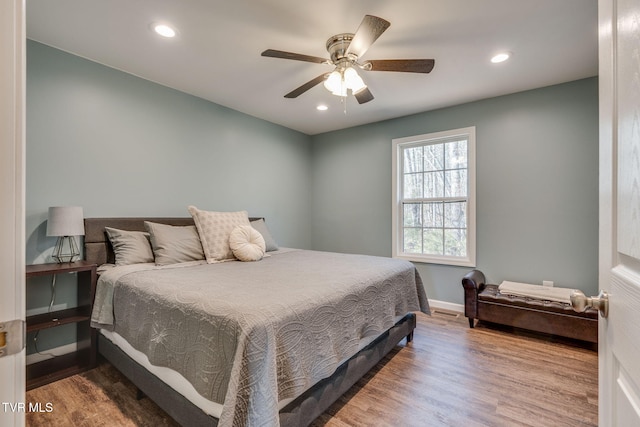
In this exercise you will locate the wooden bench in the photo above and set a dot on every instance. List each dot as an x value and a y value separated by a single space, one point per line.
485 302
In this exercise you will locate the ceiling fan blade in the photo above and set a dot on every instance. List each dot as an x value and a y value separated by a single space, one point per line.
364 95
305 87
294 56
403 65
368 32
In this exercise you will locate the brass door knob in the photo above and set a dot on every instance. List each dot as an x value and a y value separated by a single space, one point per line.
580 302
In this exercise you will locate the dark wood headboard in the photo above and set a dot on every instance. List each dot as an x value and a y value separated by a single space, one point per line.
97 248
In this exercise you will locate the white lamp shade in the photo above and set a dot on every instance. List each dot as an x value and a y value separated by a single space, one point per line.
353 80
65 221
333 83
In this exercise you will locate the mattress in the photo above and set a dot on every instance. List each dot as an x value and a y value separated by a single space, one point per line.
250 337
166 375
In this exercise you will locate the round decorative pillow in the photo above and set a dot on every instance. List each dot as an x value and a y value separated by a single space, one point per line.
246 243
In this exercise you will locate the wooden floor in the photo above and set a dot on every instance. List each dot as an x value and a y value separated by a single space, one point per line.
449 375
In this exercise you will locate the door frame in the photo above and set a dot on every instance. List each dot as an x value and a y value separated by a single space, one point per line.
607 194
12 199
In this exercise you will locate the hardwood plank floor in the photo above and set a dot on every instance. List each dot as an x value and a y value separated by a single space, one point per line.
450 375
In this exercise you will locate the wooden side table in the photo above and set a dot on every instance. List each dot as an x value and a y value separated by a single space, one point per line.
85 357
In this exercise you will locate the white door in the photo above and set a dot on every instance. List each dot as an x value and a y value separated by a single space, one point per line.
12 235
619 334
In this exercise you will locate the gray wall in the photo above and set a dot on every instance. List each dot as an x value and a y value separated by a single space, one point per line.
118 145
537 187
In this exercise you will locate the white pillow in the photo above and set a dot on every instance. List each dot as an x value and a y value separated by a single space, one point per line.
247 243
214 229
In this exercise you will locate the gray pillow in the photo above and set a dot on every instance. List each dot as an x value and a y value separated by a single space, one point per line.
260 226
173 244
130 247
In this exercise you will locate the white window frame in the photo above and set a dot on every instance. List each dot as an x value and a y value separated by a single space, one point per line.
397 198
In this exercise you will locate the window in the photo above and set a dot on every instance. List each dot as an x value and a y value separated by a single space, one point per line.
434 197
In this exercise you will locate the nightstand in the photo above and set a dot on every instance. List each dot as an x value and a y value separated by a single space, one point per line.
84 358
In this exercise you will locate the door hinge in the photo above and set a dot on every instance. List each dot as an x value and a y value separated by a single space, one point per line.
12 337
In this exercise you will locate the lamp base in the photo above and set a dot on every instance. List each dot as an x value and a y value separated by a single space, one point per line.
66 249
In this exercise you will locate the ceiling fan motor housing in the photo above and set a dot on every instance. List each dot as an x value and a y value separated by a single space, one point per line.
337 47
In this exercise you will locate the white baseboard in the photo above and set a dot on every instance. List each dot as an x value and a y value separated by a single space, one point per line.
50 353
446 306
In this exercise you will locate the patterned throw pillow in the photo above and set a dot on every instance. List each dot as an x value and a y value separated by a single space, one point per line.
214 229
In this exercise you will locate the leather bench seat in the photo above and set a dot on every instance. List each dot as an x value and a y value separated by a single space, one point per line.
486 302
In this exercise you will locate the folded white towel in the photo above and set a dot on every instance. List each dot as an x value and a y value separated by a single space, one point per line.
536 291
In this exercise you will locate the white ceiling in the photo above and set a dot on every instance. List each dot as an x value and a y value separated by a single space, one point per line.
216 54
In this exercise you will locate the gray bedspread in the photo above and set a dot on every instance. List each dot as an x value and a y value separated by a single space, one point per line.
248 335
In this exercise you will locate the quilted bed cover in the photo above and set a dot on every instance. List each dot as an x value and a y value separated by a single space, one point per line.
250 334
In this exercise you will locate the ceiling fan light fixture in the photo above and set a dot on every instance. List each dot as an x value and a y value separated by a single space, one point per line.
339 82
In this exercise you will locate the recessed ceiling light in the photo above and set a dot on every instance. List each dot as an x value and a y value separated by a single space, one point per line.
322 107
164 30
501 57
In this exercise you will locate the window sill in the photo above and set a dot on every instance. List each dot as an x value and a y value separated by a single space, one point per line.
454 262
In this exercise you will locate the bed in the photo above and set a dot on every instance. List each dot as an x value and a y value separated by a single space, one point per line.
271 342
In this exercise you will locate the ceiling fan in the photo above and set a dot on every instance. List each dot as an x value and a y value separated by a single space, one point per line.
345 51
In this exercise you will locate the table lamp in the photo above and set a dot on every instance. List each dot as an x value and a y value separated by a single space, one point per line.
65 222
